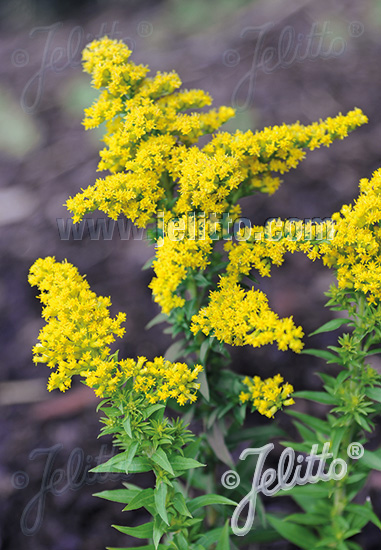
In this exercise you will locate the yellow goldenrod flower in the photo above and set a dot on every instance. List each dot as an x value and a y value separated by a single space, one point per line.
355 249
160 379
240 317
77 335
79 328
267 396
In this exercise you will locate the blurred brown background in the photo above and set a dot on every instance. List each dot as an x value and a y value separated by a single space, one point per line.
47 156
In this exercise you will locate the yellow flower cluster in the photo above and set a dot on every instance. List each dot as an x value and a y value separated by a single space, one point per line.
355 250
174 260
240 317
267 246
280 148
160 379
79 328
267 396
149 134
146 126
155 166
75 341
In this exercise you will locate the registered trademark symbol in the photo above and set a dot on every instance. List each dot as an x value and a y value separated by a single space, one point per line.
356 29
355 450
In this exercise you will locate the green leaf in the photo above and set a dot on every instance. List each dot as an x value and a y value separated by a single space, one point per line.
159 318
103 402
148 263
127 426
123 496
145 547
374 393
207 500
364 510
316 423
336 439
175 351
308 519
204 387
184 463
322 354
144 531
210 537
160 458
362 422
202 281
181 542
300 447
257 435
180 505
371 460
334 324
316 491
158 530
192 450
318 396
130 454
306 434
153 408
116 464
141 500
373 351
217 442
160 500
301 536
223 541
204 350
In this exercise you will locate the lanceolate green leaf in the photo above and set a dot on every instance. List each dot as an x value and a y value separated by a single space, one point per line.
130 454
160 501
331 325
316 423
374 393
116 464
160 458
141 500
207 500
372 459
297 534
318 396
223 542
184 463
180 505
323 354
118 495
144 531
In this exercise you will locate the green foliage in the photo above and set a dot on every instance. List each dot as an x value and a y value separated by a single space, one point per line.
329 518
